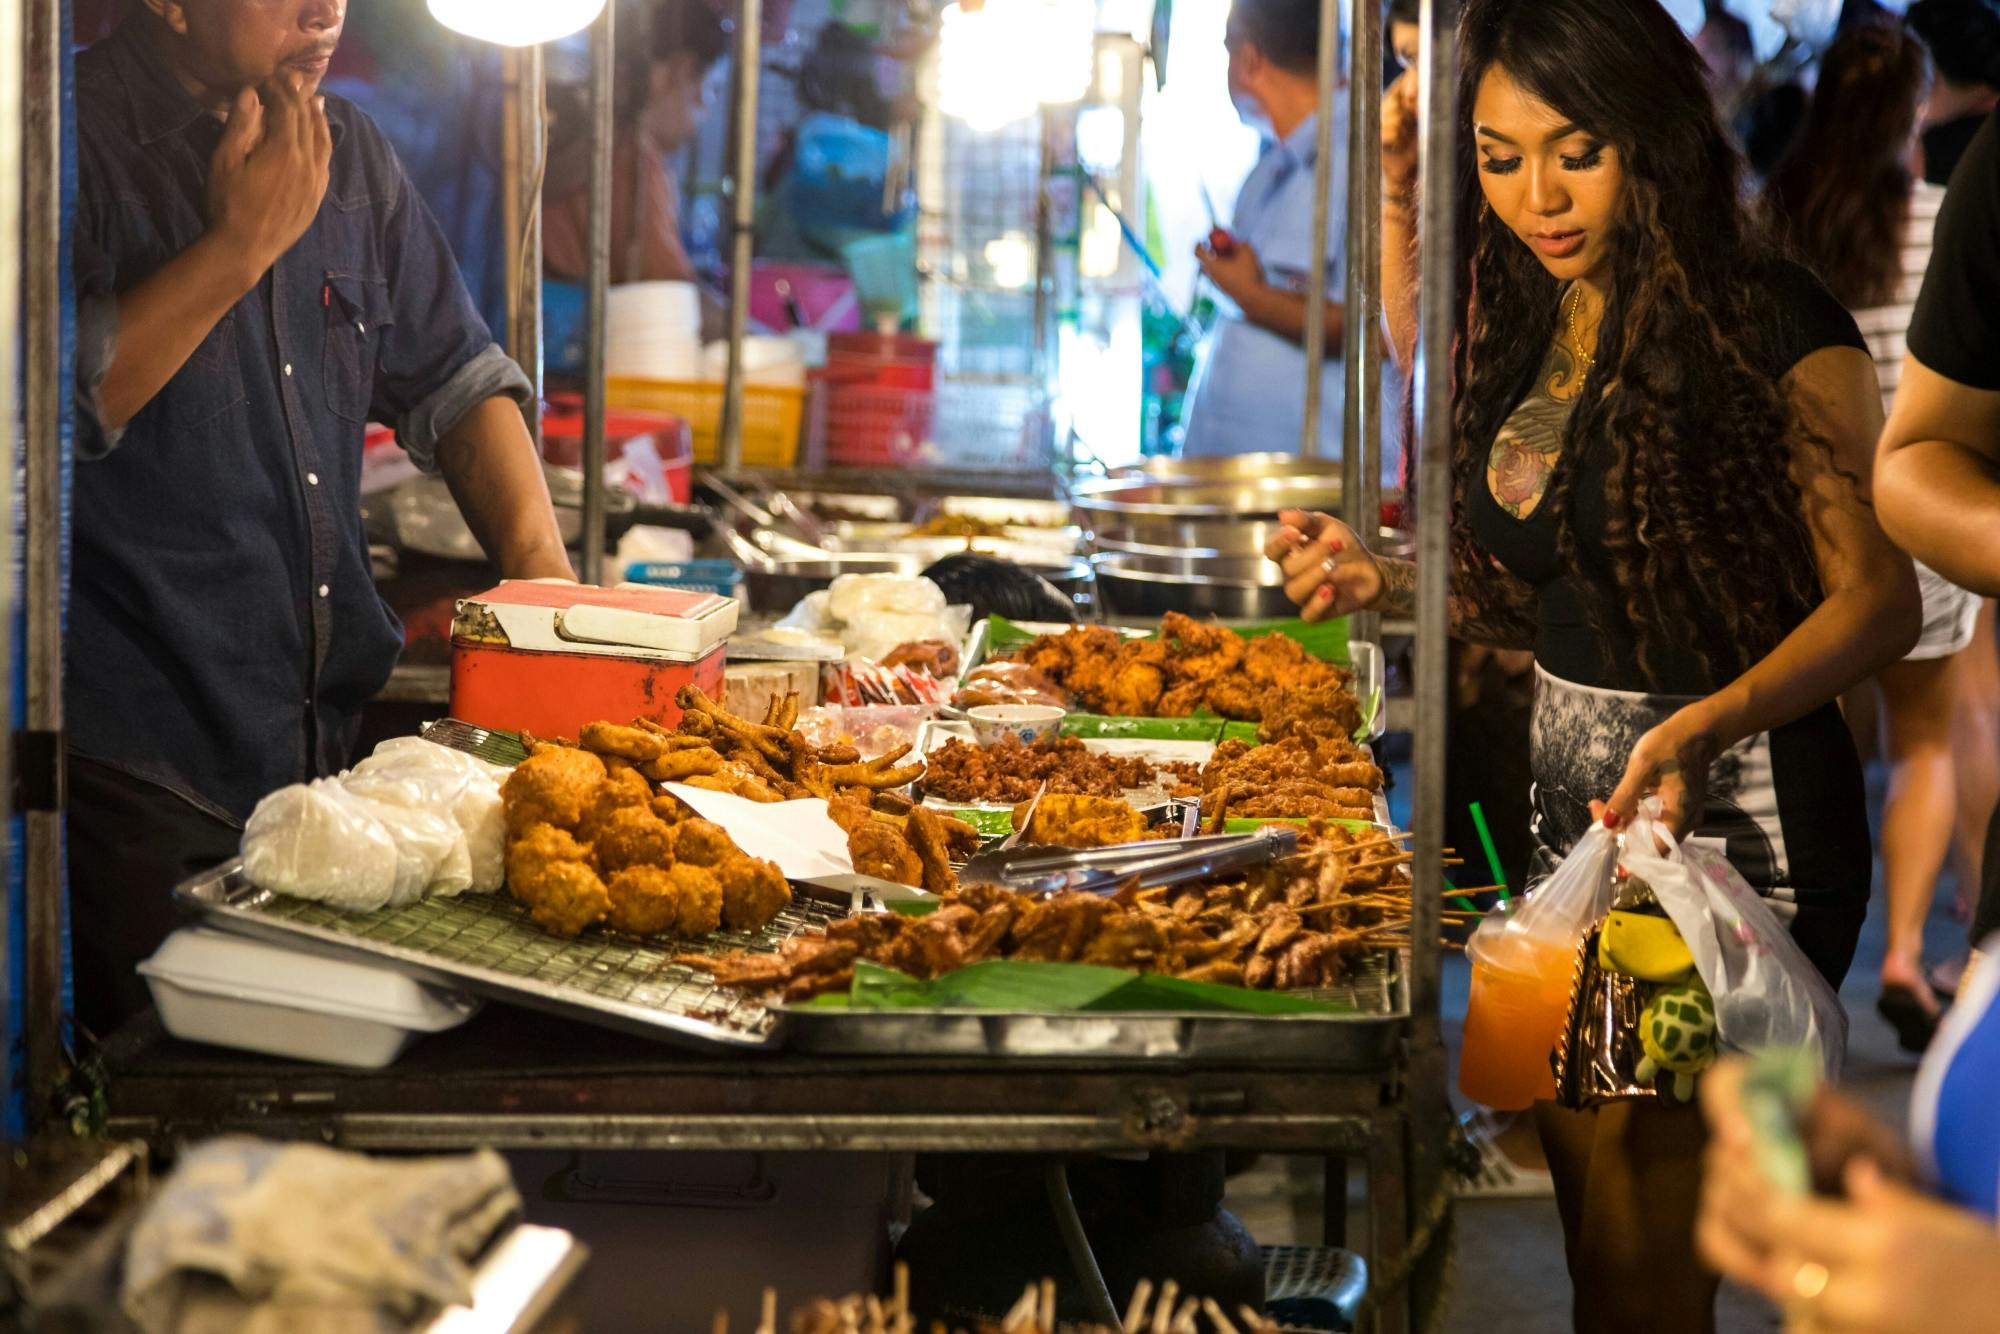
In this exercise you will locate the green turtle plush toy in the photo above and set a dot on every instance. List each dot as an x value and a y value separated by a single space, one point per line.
1677 1030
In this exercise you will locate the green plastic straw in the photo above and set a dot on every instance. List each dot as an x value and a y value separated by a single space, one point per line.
1492 853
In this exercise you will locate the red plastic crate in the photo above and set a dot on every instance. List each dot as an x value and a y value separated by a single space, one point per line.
873 426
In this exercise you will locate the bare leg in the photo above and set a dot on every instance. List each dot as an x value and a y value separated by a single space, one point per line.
1628 1175
1976 752
1918 817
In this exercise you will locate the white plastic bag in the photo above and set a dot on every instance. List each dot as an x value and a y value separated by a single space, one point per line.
429 849
1767 993
420 775
1574 898
318 841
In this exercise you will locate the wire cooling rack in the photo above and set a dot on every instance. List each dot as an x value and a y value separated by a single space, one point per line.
486 943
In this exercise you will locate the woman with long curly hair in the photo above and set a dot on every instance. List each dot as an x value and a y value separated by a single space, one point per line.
1851 202
1662 435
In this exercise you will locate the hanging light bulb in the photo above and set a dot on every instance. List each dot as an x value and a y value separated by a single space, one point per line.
517 22
997 60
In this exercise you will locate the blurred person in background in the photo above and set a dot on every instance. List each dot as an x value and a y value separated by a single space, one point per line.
1247 394
1850 202
659 104
1964 41
1730 55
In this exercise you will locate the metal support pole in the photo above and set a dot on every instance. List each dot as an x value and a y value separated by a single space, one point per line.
1361 424
601 61
1329 90
1426 1095
12 52
743 197
522 166
42 509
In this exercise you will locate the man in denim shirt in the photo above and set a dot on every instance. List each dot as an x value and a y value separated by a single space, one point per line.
1249 389
256 280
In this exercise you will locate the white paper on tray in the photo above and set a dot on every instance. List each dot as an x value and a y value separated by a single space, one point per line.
798 835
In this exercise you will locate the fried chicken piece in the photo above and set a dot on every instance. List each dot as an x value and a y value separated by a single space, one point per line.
668 808
551 787
1208 651
933 848
753 891
1055 929
929 946
1135 942
1065 820
634 836
1329 709
702 843
1184 700
550 873
1237 699
627 743
1281 662
651 900
622 789
879 849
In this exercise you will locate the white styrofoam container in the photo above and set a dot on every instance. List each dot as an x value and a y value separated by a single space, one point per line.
233 991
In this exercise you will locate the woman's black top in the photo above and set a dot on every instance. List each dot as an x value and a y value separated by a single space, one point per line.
1804 317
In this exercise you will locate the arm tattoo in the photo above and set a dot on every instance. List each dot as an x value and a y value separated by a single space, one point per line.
1512 627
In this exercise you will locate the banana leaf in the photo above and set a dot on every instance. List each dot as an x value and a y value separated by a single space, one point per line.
1097 727
1326 639
1015 985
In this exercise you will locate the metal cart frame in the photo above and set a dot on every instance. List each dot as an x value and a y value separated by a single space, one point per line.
590 1091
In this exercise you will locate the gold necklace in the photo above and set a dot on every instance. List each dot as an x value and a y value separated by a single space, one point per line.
1576 334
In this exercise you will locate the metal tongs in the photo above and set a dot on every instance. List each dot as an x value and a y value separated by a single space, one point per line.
1105 870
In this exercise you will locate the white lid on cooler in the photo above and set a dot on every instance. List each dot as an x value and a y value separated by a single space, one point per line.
631 620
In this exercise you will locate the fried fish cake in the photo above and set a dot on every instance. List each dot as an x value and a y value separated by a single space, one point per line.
622 788
702 843
550 873
753 892
653 900
552 787
633 836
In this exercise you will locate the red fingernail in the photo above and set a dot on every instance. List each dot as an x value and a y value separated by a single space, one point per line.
1335 544
1324 594
1611 819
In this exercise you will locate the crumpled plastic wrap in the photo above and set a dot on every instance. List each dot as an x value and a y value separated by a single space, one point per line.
414 818
421 775
318 841
873 613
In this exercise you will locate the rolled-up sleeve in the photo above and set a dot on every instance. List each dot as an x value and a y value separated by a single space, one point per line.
96 337
437 359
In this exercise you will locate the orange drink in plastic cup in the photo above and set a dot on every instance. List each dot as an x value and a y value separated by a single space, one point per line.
1514 1017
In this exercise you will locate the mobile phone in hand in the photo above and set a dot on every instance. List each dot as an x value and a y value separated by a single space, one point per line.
1778 1088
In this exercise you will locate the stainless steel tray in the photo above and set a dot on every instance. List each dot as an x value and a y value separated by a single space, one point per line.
1365 1038
485 943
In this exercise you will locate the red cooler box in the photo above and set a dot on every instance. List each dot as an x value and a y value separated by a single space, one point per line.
548 657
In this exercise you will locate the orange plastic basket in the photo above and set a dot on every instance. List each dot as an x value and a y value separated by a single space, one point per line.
772 415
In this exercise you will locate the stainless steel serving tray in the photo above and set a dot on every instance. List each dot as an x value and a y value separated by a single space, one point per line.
1365 1037
485 943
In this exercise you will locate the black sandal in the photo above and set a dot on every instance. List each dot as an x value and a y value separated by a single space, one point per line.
1914 1024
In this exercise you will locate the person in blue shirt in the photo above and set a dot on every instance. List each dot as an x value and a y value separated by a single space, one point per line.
1248 392
256 281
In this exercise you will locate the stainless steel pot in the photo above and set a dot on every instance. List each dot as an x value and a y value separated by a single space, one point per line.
1227 518
1232 587
1228 468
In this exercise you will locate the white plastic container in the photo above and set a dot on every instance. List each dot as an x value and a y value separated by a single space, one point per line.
211 986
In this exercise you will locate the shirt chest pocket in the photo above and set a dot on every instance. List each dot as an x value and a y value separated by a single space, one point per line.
210 382
358 317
